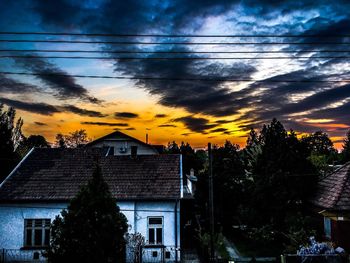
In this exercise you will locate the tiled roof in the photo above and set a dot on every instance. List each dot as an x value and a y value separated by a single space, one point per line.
58 174
333 192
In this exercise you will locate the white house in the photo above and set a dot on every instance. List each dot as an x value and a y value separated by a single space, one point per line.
148 189
122 144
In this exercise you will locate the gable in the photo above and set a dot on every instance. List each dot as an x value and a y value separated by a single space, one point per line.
121 143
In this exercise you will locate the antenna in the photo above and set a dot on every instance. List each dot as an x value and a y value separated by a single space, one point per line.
147 138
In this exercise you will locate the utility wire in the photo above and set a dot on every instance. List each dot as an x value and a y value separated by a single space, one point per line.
167 43
174 35
173 52
172 58
177 79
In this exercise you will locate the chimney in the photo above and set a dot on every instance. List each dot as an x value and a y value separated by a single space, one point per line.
133 152
147 138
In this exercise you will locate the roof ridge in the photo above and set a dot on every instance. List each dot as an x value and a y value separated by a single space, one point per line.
335 171
17 166
343 183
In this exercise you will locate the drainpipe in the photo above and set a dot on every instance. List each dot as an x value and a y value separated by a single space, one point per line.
175 213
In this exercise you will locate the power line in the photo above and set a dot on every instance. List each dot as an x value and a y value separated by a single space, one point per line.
172 58
174 52
175 35
177 79
167 43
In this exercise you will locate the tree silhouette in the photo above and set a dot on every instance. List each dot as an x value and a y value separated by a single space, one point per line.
92 229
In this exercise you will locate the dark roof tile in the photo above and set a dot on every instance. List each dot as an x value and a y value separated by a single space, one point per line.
58 174
333 191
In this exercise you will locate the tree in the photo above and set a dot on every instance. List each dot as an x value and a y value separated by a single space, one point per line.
190 158
92 229
135 243
346 148
10 138
319 143
321 151
283 179
228 171
60 141
30 142
36 141
283 176
74 139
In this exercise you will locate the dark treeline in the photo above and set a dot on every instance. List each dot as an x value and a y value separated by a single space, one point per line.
261 192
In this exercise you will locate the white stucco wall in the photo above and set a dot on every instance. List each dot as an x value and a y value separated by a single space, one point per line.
117 144
12 220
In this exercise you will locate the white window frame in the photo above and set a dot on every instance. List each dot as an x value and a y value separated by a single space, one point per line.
155 227
43 224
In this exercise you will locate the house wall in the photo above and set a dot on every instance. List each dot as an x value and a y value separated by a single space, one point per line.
341 234
123 143
12 220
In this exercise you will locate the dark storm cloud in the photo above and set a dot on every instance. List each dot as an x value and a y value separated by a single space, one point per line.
339 114
181 16
219 130
130 129
197 97
161 115
47 109
126 115
195 124
208 97
80 111
104 123
10 85
167 125
38 123
223 121
40 108
63 85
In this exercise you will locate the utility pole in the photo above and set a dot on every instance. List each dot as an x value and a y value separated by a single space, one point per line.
211 204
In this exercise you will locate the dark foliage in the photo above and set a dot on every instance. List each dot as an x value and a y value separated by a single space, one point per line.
74 139
10 137
36 141
228 175
92 229
283 176
190 158
346 148
319 143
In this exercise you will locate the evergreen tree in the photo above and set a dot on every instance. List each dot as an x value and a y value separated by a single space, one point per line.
346 148
10 138
92 229
283 176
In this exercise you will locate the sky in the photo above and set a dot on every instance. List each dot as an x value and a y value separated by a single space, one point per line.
305 92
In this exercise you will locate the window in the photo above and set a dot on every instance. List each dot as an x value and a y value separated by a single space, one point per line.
327 227
155 230
110 151
36 232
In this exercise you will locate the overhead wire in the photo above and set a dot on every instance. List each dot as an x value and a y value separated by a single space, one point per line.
179 79
174 35
165 43
173 52
171 58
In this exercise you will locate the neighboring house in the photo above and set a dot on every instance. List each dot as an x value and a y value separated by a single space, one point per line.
122 144
148 189
332 201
